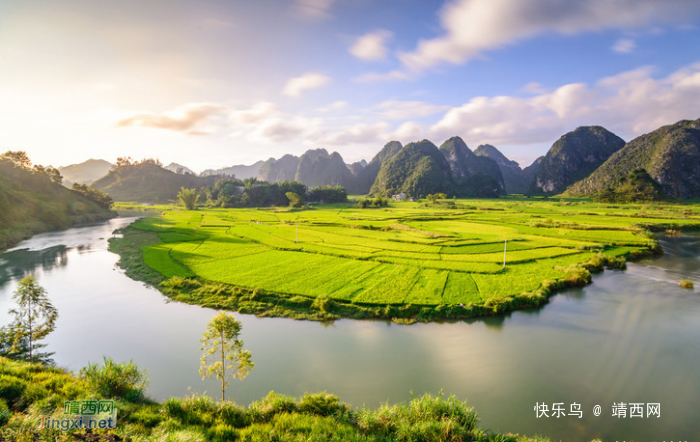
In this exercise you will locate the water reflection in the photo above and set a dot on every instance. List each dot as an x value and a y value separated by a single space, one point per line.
17 264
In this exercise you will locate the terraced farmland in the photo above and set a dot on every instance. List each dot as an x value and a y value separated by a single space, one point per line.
403 254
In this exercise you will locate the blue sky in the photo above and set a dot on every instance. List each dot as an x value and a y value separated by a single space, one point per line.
210 84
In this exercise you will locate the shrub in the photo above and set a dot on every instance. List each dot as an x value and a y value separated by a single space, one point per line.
322 404
5 413
323 304
123 380
686 283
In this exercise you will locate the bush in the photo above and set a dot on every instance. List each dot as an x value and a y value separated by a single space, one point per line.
114 380
686 283
5 413
322 404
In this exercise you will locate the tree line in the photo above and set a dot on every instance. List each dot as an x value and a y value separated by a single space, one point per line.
251 192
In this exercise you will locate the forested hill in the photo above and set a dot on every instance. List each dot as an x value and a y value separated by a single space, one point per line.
32 200
147 182
670 155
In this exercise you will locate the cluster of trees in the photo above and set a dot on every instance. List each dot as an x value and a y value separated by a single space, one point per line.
328 194
20 161
252 192
378 201
128 161
100 198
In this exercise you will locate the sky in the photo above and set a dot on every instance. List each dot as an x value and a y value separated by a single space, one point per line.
213 83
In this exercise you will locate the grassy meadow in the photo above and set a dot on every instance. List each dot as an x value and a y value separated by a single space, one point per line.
447 256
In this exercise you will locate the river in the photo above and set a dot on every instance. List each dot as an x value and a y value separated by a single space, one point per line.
632 336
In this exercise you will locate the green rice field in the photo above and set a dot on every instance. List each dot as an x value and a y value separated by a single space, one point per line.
406 253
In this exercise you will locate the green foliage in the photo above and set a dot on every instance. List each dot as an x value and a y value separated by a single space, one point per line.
328 194
221 344
377 201
100 198
294 199
113 380
188 198
433 198
637 186
34 319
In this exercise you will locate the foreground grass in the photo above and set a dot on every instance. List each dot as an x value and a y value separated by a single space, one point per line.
28 391
407 263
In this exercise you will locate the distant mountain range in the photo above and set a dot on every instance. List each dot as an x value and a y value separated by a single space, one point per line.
240 171
179 168
585 161
85 172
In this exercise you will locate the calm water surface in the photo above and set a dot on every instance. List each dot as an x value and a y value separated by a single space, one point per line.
631 336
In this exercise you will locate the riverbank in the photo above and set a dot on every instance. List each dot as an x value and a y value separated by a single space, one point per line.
549 255
29 391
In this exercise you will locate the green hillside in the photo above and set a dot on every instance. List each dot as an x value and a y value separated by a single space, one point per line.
573 157
32 200
670 154
418 169
147 182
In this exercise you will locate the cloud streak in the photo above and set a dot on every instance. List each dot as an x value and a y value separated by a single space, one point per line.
193 119
313 9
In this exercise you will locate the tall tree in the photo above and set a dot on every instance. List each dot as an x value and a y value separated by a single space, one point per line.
36 316
221 344
189 198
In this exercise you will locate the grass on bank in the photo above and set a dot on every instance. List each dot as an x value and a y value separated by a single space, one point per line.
407 262
28 391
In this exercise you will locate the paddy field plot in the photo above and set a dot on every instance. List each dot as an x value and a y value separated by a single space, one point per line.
402 254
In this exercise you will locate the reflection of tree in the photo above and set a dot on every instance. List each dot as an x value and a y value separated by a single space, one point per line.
20 263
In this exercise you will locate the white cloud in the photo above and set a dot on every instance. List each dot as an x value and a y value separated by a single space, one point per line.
388 76
402 110
408 132
192 119
313 9
336 105
358 133
474 26
628 104
533 88
295 86
257 113
624 46
371 46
